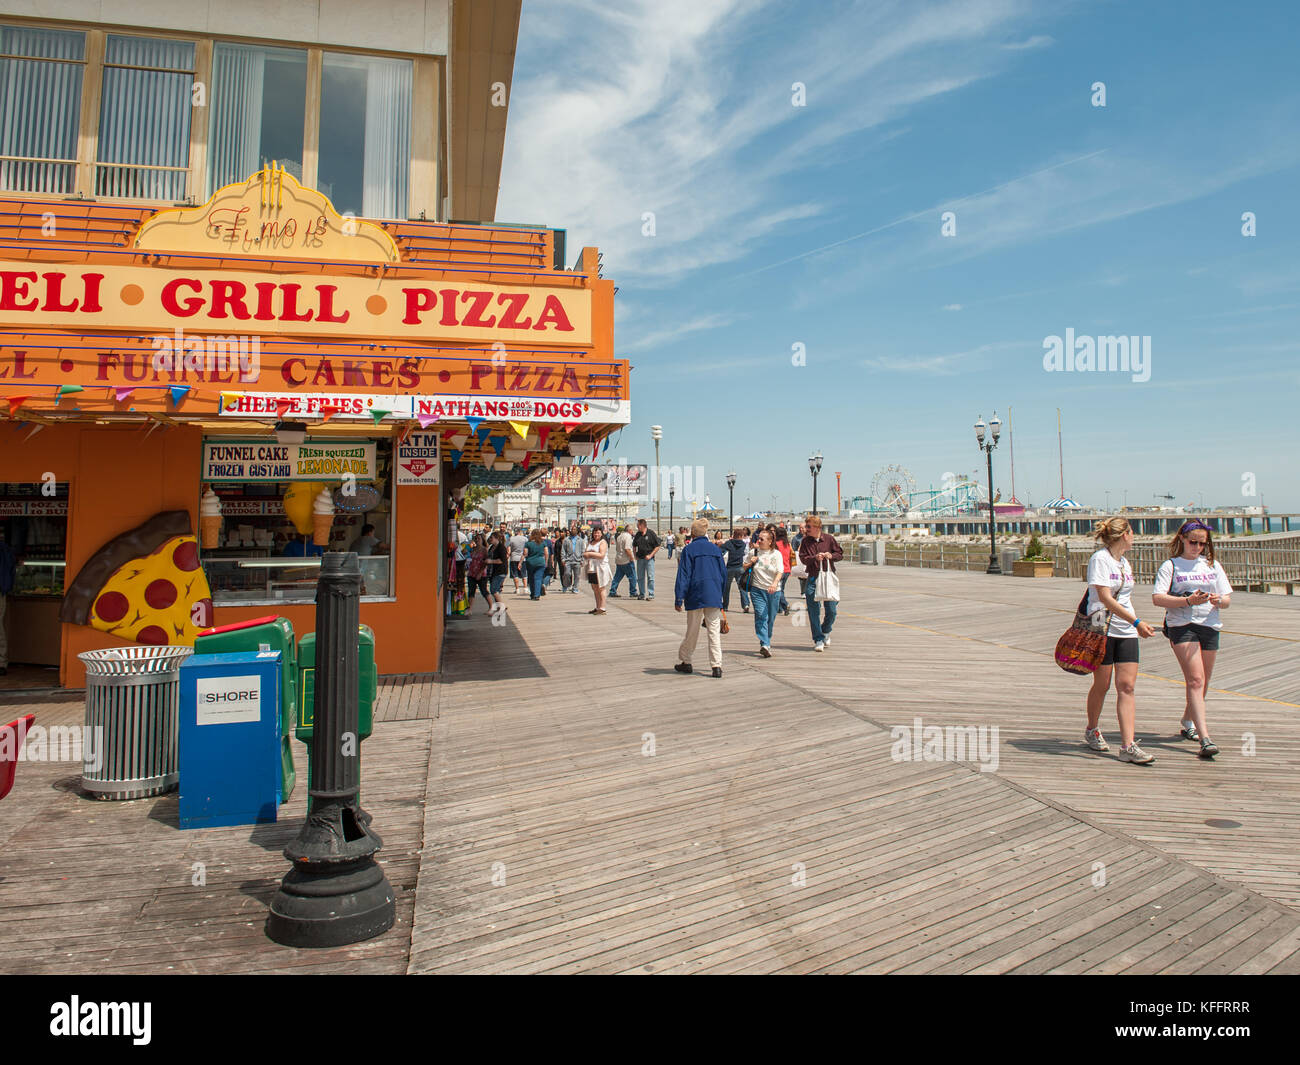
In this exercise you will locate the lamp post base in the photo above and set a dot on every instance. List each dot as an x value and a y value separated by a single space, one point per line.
993 565
332 909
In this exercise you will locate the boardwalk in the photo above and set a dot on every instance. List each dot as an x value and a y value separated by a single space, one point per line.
564 802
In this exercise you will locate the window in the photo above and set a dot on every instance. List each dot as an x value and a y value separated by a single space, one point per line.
259 108
108 115
258 554
365 151
41 73
144 118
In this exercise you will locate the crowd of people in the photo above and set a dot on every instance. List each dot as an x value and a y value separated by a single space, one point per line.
1190 586
533 559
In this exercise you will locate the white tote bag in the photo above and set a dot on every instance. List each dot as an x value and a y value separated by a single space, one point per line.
828 586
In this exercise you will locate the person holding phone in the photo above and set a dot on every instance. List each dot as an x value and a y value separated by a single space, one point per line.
1193 588
1110 589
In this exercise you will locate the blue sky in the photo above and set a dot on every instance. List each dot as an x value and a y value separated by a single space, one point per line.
820 225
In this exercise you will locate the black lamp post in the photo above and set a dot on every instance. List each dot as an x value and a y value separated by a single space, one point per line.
672 491
815 467
996 426
335 893
731 502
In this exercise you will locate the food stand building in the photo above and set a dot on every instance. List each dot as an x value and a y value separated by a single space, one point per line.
208 376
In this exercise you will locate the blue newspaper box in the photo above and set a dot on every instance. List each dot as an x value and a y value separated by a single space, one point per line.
229 743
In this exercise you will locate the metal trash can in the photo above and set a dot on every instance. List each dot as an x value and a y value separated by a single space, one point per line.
133 699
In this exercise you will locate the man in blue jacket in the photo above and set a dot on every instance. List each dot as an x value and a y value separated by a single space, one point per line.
701 574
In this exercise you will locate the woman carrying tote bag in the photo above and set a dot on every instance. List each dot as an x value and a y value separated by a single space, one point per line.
1110 587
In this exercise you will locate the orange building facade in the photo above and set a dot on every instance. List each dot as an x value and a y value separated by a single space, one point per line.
268 355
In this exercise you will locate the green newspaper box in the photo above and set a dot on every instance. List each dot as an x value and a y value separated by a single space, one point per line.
268 633
367 682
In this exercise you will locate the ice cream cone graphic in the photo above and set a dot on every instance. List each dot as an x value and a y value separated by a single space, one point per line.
210 519
322 518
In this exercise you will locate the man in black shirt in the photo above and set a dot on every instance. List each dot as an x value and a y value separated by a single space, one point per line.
734 550
645 545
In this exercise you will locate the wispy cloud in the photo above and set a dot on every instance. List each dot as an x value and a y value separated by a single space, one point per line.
662 337
939 365
651 142
1039 40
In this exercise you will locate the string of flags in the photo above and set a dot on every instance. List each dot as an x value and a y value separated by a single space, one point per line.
531 440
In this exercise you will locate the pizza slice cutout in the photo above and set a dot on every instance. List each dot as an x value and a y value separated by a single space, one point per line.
145 585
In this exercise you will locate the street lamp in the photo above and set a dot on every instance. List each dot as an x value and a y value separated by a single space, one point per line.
815 467
657 434
672 491
996 426
731 502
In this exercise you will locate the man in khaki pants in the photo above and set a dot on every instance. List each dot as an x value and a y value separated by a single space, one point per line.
701 574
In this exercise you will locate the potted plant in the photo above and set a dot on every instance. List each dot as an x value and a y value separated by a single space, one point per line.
1035 563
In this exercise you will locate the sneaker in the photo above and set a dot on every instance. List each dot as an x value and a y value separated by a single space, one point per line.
819 646
717 672
1095 740
641 597
1135 754
765 652
826 639
648 598
1208 748
745 609
684 667
1188 730
613 595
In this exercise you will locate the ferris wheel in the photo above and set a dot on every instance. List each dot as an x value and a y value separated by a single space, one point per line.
894 489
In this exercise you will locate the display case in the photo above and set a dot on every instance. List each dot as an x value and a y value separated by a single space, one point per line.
243 580
38 577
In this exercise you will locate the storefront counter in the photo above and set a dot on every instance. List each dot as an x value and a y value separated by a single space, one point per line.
275 581
32 623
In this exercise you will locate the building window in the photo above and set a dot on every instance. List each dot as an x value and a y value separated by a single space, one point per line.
41 73
259 109
365 142
144 118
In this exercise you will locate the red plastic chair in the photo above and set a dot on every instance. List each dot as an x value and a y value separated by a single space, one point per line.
11 741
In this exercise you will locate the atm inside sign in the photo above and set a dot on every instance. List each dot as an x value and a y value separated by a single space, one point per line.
417 459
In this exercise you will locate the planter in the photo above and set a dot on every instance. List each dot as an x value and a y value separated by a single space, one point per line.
1024 568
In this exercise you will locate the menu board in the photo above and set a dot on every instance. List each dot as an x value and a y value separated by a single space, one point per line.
265 460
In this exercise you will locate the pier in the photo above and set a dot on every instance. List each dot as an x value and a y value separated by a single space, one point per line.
560 800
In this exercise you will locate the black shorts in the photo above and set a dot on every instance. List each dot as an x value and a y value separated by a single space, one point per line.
593 578
1207 637
1120 649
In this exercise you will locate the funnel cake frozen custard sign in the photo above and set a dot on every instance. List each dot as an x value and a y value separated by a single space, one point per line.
264 460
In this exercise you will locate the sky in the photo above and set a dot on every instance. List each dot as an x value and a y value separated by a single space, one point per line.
853 227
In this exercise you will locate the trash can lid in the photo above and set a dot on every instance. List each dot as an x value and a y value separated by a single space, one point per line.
252 623
135 659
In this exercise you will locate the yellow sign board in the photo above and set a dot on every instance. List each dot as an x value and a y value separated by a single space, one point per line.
151 299
269 214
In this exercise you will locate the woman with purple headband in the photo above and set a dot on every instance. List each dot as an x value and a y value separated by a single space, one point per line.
1193 588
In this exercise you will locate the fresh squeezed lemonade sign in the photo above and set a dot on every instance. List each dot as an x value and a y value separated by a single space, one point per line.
261 460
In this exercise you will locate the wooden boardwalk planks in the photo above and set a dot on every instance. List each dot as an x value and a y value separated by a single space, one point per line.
560 800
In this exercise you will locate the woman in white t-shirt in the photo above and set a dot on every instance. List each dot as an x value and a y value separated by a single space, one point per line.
1110 588
765 592
1193 588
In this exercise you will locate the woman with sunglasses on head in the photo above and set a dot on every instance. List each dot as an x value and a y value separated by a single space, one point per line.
1193 588
1110 589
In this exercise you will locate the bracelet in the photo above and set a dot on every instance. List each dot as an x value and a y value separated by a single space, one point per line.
1136 622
